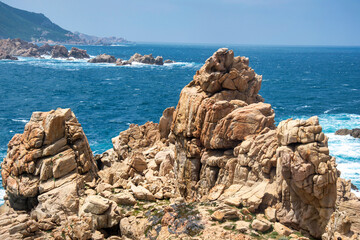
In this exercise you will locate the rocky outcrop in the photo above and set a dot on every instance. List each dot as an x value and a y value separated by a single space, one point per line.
7 57
52 155
307 174
103 58
45 49
78 53
352 132
18 47
217 157
146 59
169 61
59 51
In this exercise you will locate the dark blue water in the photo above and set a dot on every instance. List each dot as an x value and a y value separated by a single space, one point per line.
298 81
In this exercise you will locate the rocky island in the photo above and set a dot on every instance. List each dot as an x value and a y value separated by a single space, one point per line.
214 167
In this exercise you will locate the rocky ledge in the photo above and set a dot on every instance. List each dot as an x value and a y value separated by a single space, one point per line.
18 47
215 167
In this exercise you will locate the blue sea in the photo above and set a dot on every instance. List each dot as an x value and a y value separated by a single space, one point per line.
299 82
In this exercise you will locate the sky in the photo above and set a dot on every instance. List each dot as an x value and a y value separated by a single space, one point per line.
258 22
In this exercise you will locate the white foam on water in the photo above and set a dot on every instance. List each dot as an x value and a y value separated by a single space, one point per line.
167 65
357 193
20 120
346 149
2 194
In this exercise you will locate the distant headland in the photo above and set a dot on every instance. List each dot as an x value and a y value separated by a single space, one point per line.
37 28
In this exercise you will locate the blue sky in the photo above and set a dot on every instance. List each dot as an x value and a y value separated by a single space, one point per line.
270 22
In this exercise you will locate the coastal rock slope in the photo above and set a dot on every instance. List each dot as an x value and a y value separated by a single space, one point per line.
215 167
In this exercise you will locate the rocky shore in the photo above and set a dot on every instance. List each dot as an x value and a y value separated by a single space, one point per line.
10 48
18 47
214 167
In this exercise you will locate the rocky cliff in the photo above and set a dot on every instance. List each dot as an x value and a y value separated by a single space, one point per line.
216 166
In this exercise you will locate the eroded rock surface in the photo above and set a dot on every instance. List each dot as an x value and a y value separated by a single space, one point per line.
52 152
216 167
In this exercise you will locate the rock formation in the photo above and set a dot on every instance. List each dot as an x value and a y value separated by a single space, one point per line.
217 157
7 57
146 59
52 155
352 132
45 49
103 58
59 51
78 53
18 47
169 61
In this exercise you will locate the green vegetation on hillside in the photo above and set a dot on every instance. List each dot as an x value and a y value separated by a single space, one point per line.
29 26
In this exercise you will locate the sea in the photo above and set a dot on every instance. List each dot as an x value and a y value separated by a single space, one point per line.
299 82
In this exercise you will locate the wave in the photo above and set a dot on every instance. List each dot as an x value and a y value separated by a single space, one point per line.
346 149
72 64
166 65
20 120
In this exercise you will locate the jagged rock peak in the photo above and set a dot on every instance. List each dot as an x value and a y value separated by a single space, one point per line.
224 71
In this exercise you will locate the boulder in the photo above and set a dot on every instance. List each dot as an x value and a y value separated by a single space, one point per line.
137 161
133 228
95 204
142 193
52 151
103 58
261 226
123 198
78 53
282 230
270 214
59 51
45 49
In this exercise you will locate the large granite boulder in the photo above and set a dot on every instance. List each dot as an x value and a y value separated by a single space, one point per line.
53 151
78 53
103 58
59 51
